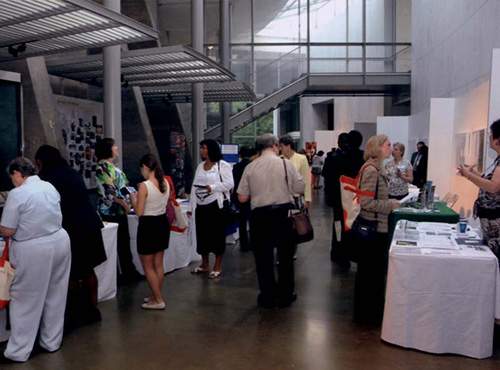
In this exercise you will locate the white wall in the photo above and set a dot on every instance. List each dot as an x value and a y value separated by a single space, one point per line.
348 110
471 114
451 49
326 140
494 107
441 149
312 118
396 128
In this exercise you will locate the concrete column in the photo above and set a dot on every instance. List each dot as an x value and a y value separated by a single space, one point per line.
113 89
198 115
225 108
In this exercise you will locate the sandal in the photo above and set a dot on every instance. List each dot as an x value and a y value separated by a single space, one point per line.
214 274
199 270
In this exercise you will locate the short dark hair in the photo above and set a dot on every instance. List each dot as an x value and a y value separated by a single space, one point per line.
320 153
355 139
22 165
104 148
213 149
421 143
495 129
287 140
50 157
245 152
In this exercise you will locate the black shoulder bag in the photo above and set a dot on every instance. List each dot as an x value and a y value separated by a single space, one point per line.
363 233
231 212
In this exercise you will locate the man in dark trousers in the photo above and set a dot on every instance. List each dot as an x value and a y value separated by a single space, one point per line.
269 183
347 160
419 164
245 154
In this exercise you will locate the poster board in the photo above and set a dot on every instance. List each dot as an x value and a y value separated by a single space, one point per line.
82 125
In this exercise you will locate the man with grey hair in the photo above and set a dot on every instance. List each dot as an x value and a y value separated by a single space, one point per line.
269 183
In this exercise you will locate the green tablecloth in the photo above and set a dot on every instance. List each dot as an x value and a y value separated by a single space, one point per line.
441 213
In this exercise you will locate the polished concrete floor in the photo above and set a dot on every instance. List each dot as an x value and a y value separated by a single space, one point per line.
216 324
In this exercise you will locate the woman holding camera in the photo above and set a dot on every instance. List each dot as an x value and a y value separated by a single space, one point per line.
399 173
487 205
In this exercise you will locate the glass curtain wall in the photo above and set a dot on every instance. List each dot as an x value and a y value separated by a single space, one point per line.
274 43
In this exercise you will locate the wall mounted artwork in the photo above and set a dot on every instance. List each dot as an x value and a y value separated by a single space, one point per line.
82 126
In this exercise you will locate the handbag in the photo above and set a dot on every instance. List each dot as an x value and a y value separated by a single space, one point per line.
6 275
302 230
362 235
231 212
174 211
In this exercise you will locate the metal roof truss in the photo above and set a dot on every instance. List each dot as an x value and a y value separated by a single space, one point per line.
40 27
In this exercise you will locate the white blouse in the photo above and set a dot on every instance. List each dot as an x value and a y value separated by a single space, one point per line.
212 178
156 201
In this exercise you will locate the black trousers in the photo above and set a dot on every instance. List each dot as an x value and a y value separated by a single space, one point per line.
242 225
269 229
369 291
339 252
123 247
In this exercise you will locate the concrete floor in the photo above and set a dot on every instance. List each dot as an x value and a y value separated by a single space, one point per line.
216 324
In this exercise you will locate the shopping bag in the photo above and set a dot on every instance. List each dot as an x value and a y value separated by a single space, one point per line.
6 275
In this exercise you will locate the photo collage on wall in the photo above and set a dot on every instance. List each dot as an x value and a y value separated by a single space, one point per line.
82 126
177 153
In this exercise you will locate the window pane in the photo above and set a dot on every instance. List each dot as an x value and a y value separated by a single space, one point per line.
328 20
276 21
379 21
277 66
212 22
241 19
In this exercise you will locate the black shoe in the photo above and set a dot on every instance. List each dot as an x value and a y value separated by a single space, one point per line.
5 360
283 303
265 303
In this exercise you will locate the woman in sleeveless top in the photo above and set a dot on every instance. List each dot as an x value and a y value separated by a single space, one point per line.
153 233
487 205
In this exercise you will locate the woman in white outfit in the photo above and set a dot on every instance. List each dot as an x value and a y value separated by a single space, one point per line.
153 233
212 182
40 251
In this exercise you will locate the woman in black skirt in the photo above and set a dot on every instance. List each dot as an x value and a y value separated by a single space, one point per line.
153 233
211 185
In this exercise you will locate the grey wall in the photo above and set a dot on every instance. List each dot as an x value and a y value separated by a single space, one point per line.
452 50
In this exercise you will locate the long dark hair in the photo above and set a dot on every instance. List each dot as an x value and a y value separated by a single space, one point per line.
149 160
50 157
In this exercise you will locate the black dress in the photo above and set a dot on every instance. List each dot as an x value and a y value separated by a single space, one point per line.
83 225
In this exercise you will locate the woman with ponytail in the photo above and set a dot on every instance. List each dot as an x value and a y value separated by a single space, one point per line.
153 233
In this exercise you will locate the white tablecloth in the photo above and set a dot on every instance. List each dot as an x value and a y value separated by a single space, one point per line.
106 271
106 274
181 248
442 303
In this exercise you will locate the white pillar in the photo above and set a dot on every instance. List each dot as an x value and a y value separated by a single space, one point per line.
112 89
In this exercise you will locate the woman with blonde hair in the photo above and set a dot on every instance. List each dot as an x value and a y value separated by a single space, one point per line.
372 265
399 172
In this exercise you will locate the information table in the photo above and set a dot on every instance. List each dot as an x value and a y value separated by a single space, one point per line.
441 213
106 271
181 248
442 296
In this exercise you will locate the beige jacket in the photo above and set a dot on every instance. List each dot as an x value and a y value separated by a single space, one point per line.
375 209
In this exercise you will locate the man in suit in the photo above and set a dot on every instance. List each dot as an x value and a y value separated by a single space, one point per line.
420 144
420 166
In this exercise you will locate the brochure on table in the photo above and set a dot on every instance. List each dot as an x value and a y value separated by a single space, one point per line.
434 238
